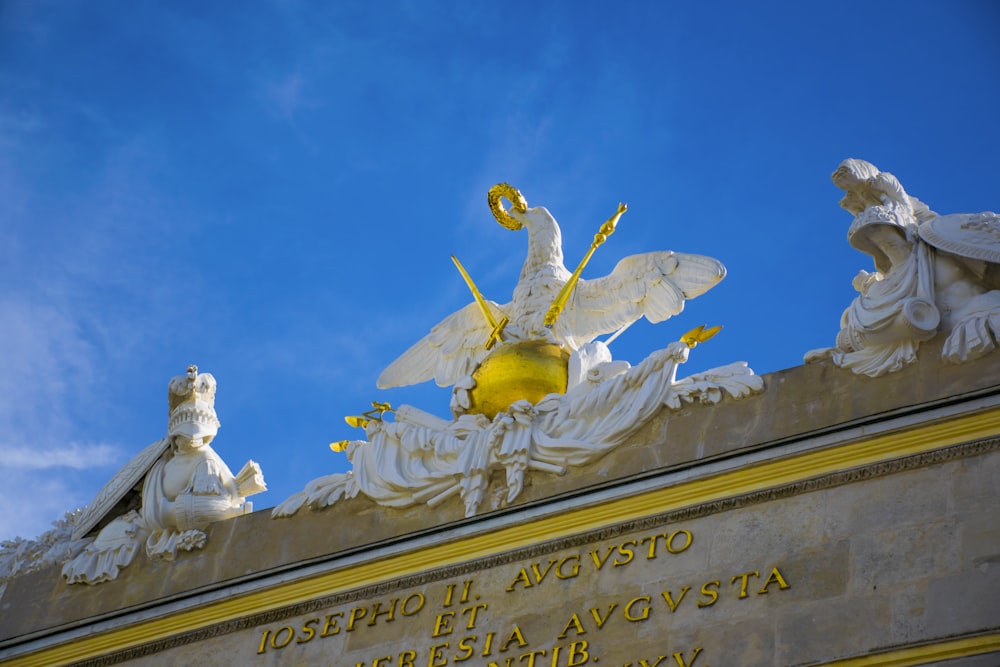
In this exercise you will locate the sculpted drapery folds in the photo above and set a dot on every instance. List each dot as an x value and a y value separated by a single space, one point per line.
934 274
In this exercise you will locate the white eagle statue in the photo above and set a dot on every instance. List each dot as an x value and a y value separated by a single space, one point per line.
532 389
653 285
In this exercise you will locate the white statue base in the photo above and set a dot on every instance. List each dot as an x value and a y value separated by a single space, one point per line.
422 459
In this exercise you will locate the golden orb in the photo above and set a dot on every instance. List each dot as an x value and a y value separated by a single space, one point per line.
528 370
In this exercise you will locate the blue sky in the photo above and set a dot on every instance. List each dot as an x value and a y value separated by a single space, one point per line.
272 190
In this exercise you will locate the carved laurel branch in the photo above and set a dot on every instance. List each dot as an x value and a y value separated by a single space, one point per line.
736 379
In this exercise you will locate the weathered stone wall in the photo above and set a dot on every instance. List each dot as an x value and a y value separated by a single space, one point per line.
845 565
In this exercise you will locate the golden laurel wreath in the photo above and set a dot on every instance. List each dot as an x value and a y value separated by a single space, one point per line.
517 203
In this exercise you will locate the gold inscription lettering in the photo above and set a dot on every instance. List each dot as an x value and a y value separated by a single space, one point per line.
515 634
573 572
597 614
625 551
465 590
523 577
448 594
263 642
465 645
332 621
743 583
679 657
442 626
437 653
531 656
405 609
275 643
578 654
309 630
670 601
539 575
598 561
391 612
472 611
774 578
652 544
356 615
575 623
569 654
645 610
643 663
711 595
688 538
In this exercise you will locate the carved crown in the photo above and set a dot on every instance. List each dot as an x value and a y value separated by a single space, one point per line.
192 404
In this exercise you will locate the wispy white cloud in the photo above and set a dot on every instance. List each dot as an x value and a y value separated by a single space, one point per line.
285 95
74 455
80 287
33 501
44 353
48 368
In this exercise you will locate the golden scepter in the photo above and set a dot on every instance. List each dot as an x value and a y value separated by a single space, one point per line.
607 229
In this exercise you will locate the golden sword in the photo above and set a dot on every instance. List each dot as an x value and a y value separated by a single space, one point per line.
497 327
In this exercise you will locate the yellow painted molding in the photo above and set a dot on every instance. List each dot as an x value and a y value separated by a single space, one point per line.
924 437
921 655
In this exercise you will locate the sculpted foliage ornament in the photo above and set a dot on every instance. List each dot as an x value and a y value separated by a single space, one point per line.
185 486
531 387
53 547
934 273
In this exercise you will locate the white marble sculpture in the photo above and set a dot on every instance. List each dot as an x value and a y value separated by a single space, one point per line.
594 405
53 547
933 274
652 285
185 486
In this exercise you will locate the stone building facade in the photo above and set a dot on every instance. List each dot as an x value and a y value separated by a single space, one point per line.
833 519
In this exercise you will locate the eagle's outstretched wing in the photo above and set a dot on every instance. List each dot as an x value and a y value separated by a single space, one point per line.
653 285
451 350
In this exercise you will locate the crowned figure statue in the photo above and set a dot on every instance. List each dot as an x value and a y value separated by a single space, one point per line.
185 486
